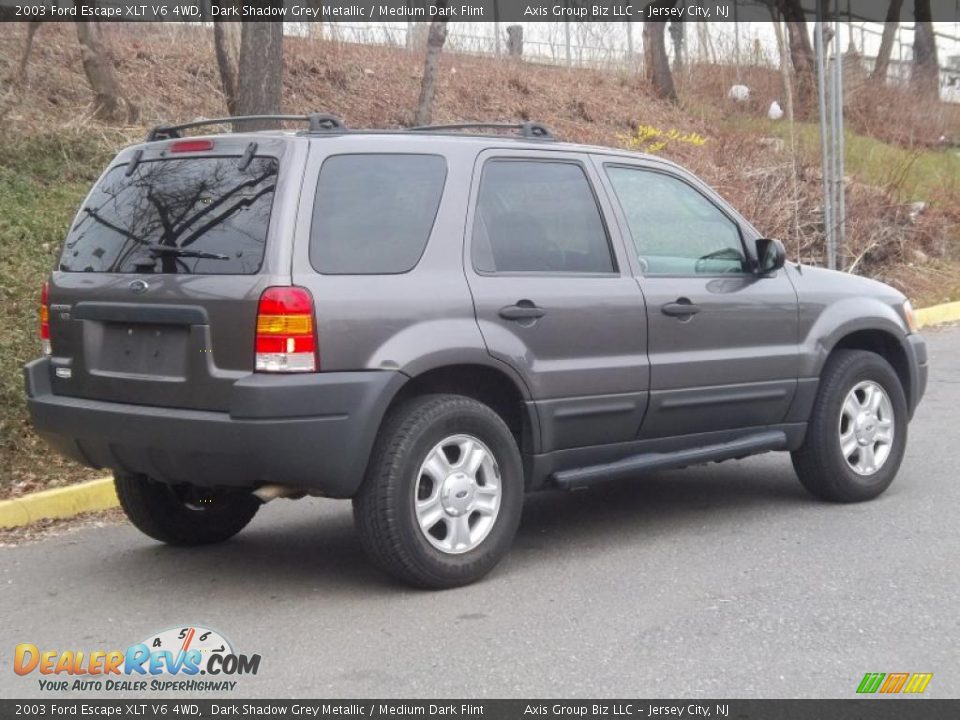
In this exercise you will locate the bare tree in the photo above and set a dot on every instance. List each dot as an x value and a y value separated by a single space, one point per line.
32 28
260 83
226 42
801 50
431 66
677 37
784 72
656 64
890 28
109 102
925 75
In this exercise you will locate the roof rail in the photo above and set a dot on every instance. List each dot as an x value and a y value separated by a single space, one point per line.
318 122
527 129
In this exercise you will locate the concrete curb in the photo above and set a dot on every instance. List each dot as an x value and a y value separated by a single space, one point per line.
61 502
99 494
948 312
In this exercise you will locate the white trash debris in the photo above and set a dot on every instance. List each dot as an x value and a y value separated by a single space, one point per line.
775 112
740 93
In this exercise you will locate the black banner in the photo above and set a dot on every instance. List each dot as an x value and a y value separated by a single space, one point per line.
878 709
506 11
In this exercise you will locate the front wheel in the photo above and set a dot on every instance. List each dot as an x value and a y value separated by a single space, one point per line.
443 494
857 433
184 514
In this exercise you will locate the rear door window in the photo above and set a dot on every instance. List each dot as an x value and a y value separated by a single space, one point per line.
538 216
373 214
196 215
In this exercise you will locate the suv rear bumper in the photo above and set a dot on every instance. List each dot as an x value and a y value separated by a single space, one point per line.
312 430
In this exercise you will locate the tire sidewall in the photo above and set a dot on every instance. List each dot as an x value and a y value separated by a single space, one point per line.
489 429
852 484
155 510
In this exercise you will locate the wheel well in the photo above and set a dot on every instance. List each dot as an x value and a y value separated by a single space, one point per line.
485 384
886 346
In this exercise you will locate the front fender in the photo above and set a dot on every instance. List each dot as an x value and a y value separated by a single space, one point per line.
840 319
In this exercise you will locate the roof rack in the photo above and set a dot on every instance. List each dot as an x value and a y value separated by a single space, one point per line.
527 129
318 122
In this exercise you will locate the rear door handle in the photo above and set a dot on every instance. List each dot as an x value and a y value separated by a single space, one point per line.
681 308
523 310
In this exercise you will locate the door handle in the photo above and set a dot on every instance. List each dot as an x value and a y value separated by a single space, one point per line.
681 308
523 310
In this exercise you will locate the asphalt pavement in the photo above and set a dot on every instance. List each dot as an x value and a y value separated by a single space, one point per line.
720 581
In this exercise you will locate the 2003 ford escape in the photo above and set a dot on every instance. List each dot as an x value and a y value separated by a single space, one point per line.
432 322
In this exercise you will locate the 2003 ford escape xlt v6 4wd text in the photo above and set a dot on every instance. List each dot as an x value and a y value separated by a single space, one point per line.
432 322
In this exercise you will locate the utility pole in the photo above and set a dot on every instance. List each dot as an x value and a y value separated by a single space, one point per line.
830 101
840 206
826 163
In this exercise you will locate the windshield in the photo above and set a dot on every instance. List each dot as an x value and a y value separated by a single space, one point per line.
196 215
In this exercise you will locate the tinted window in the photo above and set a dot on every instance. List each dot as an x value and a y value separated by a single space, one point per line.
374 213
675 229
537 216
199 205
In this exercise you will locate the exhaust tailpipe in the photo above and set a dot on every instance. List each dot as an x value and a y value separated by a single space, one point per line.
266 493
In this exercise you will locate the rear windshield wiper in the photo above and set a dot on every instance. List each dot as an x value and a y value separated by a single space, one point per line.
156 249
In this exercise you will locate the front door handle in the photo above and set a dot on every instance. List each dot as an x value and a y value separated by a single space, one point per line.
523 310
681 308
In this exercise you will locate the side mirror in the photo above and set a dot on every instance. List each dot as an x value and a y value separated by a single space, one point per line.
771 256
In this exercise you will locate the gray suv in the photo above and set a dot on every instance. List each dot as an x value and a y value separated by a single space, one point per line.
433 321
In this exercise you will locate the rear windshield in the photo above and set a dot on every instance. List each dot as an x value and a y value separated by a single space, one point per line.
196 215
373 213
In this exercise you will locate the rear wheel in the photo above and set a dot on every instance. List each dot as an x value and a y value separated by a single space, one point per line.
858 429
443 494
184 514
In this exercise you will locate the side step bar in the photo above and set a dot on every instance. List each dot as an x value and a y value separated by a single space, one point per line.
636 464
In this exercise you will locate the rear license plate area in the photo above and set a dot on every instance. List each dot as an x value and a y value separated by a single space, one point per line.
144 349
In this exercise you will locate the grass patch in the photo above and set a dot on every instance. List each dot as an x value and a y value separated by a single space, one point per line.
908 175
43 179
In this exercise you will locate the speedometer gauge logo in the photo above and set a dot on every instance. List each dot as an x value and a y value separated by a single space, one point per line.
181 640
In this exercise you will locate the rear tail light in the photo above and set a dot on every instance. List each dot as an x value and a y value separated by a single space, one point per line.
45 318
286 333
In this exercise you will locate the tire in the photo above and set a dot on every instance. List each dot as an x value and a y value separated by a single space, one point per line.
401 487
184 515
821 463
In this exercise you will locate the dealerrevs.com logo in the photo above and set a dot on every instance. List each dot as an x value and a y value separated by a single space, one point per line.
169 661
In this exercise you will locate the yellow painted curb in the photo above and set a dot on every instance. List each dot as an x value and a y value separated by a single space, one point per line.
58 503
948 312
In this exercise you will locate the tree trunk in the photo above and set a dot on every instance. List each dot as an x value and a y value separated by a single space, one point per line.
226 41
109 103
801 50
515 41
677 38
784 71
925 76
886 41
260 85
431 68
656 63
32 28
